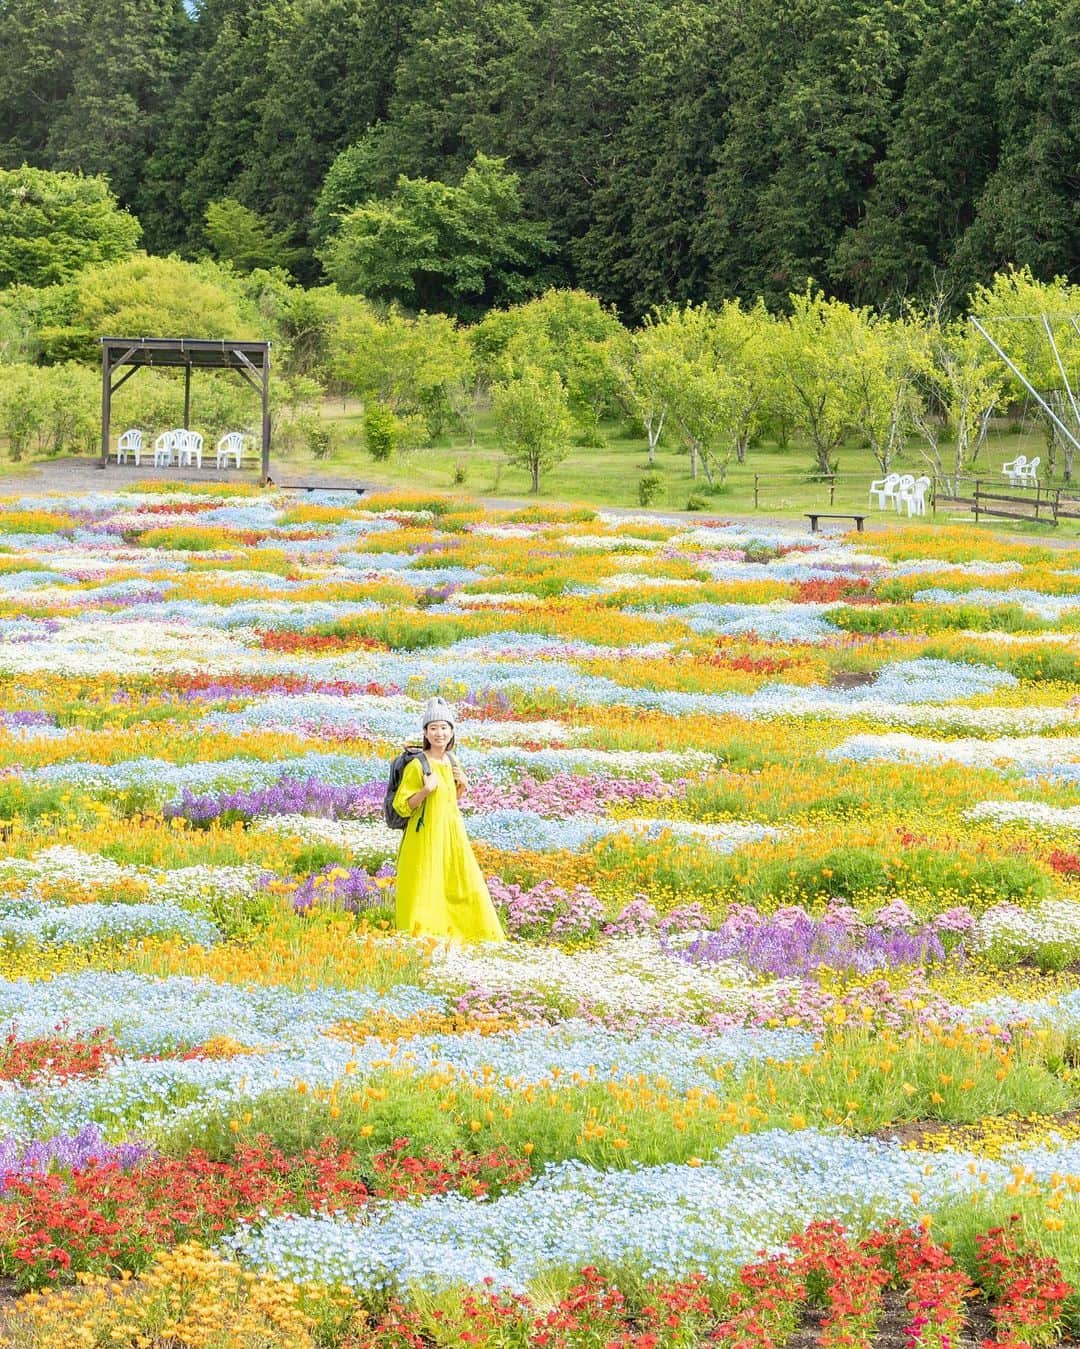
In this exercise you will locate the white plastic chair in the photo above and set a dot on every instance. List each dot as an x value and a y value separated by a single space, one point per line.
189 445
885 489
1015 469
903 487
129 443
915 497
232 443
163 449
1030 475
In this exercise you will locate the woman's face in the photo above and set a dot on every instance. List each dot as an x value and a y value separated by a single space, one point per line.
439 733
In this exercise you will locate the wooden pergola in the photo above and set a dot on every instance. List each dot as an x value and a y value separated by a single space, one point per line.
250 360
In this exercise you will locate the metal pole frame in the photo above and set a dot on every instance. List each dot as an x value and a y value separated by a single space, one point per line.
1061 426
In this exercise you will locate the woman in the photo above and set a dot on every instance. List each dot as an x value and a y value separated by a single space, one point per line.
440 890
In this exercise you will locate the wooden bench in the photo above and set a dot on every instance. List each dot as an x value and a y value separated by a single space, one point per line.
815 516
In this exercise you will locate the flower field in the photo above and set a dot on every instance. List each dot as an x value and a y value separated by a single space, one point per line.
784 831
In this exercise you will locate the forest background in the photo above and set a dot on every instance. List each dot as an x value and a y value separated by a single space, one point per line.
329 165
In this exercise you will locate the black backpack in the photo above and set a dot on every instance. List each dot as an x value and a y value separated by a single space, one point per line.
397 771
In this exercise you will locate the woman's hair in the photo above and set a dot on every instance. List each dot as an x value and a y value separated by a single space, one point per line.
450 745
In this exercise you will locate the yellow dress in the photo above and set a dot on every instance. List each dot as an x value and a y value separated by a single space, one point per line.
440 888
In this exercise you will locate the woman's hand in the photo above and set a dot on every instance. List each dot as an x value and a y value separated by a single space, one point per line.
461 781
431 783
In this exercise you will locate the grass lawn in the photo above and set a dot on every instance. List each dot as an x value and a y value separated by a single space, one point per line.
609 474
472 461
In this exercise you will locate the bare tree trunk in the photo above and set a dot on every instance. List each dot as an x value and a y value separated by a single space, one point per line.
654 430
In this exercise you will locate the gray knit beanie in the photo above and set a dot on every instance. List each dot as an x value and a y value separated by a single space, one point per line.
436 710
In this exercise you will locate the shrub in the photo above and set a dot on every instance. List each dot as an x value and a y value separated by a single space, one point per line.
380 431
650 488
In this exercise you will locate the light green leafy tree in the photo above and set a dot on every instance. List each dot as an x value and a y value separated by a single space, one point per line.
146 297
565 331
709 368
54 224
414 366
532 417
49 411
815 353
1037 324
637 362
958 374
887 404
240 236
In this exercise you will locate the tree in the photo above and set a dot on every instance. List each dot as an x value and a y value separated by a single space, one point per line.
886 402
45 412
811 90
207 143
54 224
1034 323
698 362
566 331
132 57
420 365
1029 211
941 152
142 295
328 74
40 45
241 237
642 244
815 356
533 418
958 375
434 246
637 362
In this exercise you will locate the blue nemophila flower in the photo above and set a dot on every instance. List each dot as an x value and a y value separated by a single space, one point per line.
662 1221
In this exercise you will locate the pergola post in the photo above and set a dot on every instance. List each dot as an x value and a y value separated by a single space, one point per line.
106 405
266 419
187 397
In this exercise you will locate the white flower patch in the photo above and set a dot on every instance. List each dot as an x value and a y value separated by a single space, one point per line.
1027 812
981 718
617 762
1050 933
725 838
922 565
633 580
483 531
368 838
1021 638
1030 752
627 974
131 647
64 863
185 885
1050 607
81 924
